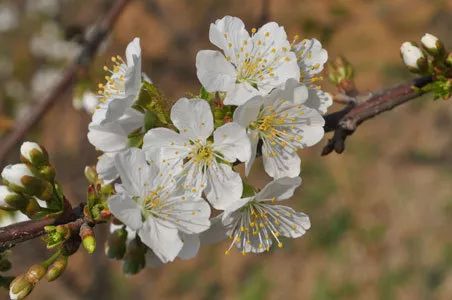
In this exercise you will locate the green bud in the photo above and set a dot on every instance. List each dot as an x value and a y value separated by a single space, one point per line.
20 287
32 208
56 235
134 260
35 273
34 154
91 174
47 172
57 268
88 240
10 200
38 187
115 246
340 70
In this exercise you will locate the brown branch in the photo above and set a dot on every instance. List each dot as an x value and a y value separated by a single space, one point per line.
345 122
81 61
27 230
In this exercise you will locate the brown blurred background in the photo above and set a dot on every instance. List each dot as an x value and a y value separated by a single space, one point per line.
381 212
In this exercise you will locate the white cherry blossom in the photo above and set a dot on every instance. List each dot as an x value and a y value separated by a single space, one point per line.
284 124
153 204
254 223
204 161
249 65
311 58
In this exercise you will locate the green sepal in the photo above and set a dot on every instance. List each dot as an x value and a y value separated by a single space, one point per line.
135 139
135 259
150 99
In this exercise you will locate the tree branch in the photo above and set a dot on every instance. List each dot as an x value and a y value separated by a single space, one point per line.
345 121
81 61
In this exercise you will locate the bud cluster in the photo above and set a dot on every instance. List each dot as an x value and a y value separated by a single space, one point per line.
433 59
27 182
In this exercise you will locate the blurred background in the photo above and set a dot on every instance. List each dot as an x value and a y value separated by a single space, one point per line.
381 212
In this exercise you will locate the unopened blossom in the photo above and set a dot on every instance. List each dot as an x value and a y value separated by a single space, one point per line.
27 149
248 65
13 174
284 124
88 101
412 56
432 44
311 58
153 204
206 162
115 118
254 223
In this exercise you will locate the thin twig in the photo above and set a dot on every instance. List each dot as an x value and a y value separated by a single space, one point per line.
81 61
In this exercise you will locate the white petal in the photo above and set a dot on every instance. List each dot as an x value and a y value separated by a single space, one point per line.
312 56
163 145
319 100
232 142
193 118
117 107
106 168
107 137
239 93
223 185
134 171
233 206
216 233
190 215
248 112
311 135
293 92
191 246
133 74
295 223
161 238
125 210
284 164
227 30
281 189
254 141
214 72
131 120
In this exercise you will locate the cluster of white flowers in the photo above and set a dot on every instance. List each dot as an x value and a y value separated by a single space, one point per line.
168 182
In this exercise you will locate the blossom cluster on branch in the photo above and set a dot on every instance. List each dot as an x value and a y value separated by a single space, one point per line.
166 181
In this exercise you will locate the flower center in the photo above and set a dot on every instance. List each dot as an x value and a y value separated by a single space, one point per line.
257 223
152 201
115 82
202 153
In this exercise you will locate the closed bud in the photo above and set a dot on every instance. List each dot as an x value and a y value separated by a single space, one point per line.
13 175
91 174
47 172
10 200
135 259
35 273
432 45
56 235
19 288
413 57
32 153
115 246
31 208
38 187
57 268
88 240
340 70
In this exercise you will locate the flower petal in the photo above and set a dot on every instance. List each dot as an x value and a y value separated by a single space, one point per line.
223 185
134 171
214 72
279 163
232 142
228 34
107 137
240 93
125 210
191 246
248 112
281 189
133 74
193 118
106 168
294 223
319 100
162 238
254 141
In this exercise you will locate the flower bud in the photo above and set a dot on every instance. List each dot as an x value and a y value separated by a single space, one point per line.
88 240
32 208
56 235
19 288
91 174
13 175
35 273
57 268
432 45
38 187
135 259
115 246
340 71
413 57
32 153
11 200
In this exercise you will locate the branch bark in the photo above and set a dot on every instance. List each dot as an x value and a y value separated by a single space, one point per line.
345 121
81 61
